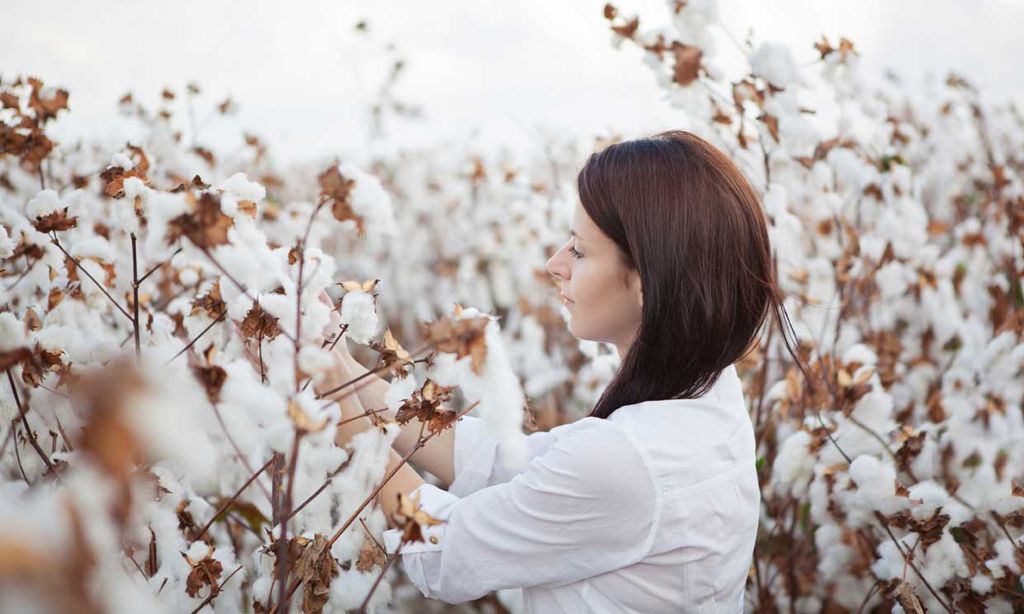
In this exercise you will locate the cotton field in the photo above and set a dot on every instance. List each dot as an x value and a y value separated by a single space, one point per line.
168 313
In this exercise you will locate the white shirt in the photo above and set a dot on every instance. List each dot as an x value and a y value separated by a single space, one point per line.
654 509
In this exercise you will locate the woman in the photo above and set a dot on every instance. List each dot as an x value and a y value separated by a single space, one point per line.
650 503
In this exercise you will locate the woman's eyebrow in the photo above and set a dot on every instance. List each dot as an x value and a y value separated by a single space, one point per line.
573 233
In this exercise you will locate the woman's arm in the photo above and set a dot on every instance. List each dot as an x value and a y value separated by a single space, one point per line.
437 456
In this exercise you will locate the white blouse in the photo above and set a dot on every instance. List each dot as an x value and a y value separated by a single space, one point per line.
654 509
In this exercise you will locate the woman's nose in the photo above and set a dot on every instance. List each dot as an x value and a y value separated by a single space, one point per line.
556 265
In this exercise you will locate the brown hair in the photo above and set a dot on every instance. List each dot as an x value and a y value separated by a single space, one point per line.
684 216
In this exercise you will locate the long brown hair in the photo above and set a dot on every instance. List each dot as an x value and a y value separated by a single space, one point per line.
683 216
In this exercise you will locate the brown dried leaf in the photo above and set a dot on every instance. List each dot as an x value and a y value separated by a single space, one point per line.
206 225
260 324
462 337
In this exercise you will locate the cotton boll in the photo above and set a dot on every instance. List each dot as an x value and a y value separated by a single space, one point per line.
774 63
7 245
350 588
932 495
794 464
860 353
188 277
12 332
315 361
134 187
370 201
400 389
981 584
875 411
240 186
360 314
119 160
835 556
44 203
876 485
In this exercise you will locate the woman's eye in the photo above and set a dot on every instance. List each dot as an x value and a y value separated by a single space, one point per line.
575 254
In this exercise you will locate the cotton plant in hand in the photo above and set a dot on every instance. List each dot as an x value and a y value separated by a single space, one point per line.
893 468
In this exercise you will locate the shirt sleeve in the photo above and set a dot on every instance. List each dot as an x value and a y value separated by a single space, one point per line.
586 506
477 454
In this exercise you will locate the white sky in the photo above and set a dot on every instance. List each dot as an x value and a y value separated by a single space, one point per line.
484 72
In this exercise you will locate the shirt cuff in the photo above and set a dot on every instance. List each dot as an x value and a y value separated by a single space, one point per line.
438 504
475 453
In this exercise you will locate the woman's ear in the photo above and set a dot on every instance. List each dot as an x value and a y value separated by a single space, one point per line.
636 287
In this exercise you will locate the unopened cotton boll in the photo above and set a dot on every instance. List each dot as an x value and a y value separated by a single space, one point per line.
360 314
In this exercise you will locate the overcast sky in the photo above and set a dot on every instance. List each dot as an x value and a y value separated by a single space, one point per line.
484 72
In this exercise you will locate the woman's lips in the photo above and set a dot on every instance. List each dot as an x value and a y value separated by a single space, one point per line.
565 299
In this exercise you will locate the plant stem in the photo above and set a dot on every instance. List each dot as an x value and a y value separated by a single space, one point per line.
28 429
135 296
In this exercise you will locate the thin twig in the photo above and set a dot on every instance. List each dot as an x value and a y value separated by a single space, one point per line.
197 337
362 377
135 296
319 490
233 498
238 451
282 543
17 456
157 267
54 240
24 421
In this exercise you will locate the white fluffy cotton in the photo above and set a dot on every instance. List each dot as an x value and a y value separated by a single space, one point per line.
360 314
774 63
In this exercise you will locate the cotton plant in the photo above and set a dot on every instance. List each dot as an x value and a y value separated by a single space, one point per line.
165 346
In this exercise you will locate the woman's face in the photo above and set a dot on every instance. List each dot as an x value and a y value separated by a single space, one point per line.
604 295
